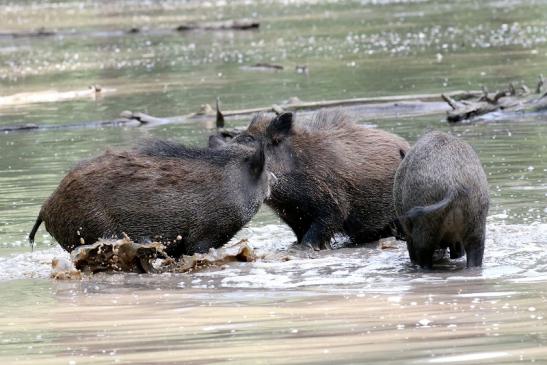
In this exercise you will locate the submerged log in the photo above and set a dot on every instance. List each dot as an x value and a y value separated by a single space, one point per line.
242 24
512 99
262 66
40 32
19 127
238 24
294 104
208 113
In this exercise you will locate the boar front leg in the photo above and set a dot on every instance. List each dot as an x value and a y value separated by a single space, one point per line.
317 237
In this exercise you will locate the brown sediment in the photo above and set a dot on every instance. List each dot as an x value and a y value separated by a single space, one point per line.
118 255
237 252
124 255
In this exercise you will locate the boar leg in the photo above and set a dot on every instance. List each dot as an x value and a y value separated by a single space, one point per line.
456 250
424 245
474 249
317 237
410 248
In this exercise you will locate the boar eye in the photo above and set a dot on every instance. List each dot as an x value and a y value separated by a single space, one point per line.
244 138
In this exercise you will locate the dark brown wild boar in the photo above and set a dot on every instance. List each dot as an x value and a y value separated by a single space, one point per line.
441 198
189 199
333 176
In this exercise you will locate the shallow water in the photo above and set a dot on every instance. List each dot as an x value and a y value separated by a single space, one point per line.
348 305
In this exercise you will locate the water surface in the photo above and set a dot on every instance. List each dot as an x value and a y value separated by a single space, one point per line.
350 305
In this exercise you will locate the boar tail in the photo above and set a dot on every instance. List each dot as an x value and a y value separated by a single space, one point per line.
33 232
420 211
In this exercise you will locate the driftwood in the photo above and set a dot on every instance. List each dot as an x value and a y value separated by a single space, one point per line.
207 113
240 24
512 99
133 120
263 66
40 32
295 104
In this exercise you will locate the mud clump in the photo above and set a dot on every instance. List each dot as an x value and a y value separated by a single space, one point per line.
238 252
62 269
119 255
124 255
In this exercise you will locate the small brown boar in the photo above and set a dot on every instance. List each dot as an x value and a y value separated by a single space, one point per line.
441 198
333 176
189 199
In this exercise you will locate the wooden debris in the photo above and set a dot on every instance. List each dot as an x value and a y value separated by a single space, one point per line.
219 117
242 24
238 24
263 66
512 99
19 127
40 32
137 119
541 82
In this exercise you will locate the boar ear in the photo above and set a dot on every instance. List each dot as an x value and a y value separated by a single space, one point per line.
216 141
256 161
280 127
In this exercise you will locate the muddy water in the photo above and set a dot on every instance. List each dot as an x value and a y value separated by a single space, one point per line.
350 305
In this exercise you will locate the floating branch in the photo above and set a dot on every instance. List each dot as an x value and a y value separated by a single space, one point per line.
242 24
220 117
510 100
136 119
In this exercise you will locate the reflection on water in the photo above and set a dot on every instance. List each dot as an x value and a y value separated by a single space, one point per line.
102 322
351 305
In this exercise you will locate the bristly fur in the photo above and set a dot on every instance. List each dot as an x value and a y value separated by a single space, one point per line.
441 197
165 148
189 199
333 175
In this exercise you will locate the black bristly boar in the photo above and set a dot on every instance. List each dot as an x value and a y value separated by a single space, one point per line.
333 176
441 198
189 199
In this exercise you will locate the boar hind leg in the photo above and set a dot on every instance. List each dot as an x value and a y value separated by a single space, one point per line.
317 237
423 246
474 249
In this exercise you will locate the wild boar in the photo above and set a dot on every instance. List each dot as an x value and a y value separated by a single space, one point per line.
441 198
190 199
333 176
